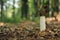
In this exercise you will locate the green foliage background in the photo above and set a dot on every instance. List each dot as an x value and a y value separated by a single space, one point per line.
34 7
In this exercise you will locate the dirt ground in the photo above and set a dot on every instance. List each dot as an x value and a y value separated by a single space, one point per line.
29 31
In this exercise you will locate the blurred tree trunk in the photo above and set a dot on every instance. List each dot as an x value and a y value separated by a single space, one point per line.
56 5
50 8
43 11
13 10
2 10
19 9
55 8
42 17
24 8
59 6
30 10
36 7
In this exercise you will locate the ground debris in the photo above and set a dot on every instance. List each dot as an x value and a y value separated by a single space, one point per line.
29 31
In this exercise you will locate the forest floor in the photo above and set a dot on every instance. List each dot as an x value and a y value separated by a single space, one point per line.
29 30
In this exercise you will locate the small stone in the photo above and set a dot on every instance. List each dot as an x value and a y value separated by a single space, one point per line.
43 33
